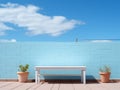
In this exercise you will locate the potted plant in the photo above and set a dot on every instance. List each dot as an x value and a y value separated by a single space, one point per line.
23 73
105 74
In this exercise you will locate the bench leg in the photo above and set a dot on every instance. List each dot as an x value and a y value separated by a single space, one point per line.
37 76
83 76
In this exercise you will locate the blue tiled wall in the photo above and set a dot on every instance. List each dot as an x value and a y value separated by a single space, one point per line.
92 55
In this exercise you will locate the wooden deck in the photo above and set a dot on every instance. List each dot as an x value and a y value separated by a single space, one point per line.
58 86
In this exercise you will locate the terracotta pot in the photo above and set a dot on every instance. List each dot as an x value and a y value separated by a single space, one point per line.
22 76
105 77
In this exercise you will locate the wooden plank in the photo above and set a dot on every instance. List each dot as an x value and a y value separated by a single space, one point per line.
10 86
24 86
3 84
56 86
45 86
111 86
78 86
94 86
34 86
66 86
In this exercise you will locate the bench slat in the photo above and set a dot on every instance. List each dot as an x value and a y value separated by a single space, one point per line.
60 74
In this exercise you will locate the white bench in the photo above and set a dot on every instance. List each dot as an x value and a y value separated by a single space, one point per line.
82 68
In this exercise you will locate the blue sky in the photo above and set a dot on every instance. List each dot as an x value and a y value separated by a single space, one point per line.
59 20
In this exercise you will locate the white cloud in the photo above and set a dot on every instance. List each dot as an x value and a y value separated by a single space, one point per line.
3 28
101 41
34 22
6 41
9 5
